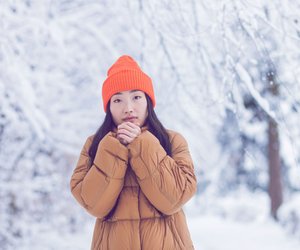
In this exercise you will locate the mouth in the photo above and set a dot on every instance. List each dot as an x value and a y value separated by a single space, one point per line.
130 119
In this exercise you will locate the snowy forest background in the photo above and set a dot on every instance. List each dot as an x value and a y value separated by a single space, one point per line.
226 75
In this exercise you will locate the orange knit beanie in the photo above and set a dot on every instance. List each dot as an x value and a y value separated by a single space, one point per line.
125 74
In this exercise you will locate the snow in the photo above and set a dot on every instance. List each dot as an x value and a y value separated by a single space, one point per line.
229 223
247 80
208 61
214 233
208 233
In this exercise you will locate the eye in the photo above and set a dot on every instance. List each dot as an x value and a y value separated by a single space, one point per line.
136 97
116 100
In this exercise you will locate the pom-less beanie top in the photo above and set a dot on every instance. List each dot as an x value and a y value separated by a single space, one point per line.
125 74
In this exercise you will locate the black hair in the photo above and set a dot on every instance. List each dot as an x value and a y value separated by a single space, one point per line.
157 129
153 123
154 126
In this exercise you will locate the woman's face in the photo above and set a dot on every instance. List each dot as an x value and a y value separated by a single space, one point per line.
129 106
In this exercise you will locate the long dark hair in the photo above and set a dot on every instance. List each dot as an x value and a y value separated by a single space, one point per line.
154 126
153 123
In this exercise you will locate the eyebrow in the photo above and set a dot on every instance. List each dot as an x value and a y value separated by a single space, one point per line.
131 91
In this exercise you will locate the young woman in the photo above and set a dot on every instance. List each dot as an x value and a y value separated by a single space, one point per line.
133 175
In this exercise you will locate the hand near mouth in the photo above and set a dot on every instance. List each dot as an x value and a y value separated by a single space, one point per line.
128 131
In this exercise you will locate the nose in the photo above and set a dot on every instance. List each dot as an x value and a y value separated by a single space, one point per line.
128 108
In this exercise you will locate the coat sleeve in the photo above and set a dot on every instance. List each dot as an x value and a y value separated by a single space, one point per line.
167 182
97 187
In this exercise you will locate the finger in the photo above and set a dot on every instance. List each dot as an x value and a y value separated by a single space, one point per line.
133 124
124 125
133 129
129 125
131 132
127 133
124 142
122 139
125 138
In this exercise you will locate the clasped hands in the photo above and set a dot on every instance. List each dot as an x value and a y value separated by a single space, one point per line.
127 132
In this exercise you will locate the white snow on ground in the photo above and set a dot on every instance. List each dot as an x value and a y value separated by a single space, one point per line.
54 241
213 233
208 233
235 222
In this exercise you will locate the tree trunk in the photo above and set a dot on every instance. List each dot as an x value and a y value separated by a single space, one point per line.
275 184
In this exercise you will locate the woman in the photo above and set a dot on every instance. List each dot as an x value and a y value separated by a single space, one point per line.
133 174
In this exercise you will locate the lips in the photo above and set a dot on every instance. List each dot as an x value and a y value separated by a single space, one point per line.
130 119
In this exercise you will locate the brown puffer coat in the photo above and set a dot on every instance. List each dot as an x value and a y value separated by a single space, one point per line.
141 187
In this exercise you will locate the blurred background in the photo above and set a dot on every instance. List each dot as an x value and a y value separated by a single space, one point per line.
226 75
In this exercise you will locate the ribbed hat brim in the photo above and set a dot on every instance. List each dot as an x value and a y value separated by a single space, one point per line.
127 80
